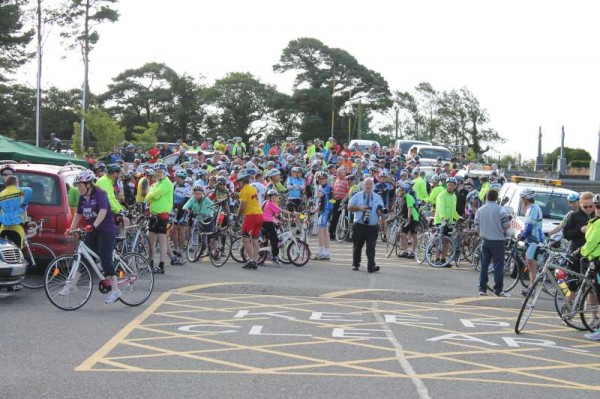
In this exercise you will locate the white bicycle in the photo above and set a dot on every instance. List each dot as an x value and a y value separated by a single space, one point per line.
72 274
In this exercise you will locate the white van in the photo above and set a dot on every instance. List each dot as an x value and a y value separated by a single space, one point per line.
551 198
364 145
405 145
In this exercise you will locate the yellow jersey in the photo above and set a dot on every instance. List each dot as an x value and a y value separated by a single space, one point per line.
249 196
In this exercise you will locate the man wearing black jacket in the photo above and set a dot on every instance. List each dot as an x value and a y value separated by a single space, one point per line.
576 225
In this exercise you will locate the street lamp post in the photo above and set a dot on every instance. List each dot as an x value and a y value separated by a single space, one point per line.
397 110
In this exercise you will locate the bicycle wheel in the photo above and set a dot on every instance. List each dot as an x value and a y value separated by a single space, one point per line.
135 278
341 231
236 250
142 247
37 260
283 256
468 245
218 249
298 253
590 311
512 273
192 249
392 242
476 259
421 248
565 311
529 304
262 255
434 253
63 293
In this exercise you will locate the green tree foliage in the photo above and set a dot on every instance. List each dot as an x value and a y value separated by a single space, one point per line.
13 38
243 103
575 157
17 104
104 129
330 78
59 112
145 136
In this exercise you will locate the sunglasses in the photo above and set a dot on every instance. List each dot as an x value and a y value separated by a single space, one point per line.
589 206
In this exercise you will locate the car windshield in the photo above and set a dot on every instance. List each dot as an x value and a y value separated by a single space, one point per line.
553 205
433 153
45 188
406 146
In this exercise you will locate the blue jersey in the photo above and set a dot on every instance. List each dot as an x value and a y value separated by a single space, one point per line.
13 201
295 192
532 231
181 193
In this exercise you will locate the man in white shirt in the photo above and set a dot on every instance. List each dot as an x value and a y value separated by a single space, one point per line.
259 184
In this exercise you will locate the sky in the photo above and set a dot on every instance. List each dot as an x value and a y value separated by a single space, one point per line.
530 63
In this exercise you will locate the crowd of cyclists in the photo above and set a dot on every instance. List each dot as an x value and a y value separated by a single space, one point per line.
253 186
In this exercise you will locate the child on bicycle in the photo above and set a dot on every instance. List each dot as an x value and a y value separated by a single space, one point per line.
201 208
270 211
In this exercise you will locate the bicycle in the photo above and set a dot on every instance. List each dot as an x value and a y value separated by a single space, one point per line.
136 237
343 231
459 245
34 254
74 274
545 277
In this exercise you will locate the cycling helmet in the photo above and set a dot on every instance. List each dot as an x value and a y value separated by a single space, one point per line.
444 176
160 166
296 169
181 173
496 186
221 180
273 172
243 175
112 168
320 175
404 186
150 172
435 178
320 155
596 199
272 192
198 187
384 174
528 194
99 166
573 197
472 196
373 157
459 178
289 157
373 167
128 176
271 163
451 180
7 167
404 172
316 166
85 176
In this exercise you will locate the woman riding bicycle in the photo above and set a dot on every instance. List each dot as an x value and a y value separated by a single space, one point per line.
101 229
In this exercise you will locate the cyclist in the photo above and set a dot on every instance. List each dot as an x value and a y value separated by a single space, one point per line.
532 231
99 169
445 209
296 186
591 250
274 176
160 201
182 192
250 208
200 206
410 214
436 189
485 187
573 201
385 190
324 194
94 206
107 182
142 188
473 204
13 205
270 211
420 186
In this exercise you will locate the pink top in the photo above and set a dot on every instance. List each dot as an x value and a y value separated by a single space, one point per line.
270 210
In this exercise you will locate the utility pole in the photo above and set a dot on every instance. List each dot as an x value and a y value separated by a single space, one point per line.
397 109
38 89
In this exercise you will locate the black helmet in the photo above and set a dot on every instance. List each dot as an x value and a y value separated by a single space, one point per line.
99 166
112 168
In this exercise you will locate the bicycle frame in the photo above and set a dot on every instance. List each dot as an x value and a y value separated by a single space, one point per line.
92 261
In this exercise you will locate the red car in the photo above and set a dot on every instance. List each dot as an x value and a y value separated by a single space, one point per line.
49 201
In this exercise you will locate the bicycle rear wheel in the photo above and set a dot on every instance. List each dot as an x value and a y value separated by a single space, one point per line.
564 308
218 249
392 242
421 248
62 292
37 260
434 253
135 279
193 247
529 304
298 253
590 311
236 250
283 256
341 231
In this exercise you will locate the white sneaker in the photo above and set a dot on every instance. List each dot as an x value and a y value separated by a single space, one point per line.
113 296
68 289
595 336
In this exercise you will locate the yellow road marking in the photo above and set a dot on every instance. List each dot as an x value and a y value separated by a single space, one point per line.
337 294
121 335
203 286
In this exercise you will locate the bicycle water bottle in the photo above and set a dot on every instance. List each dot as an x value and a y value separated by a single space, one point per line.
564 287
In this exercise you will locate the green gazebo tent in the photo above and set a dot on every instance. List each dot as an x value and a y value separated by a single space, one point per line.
11 149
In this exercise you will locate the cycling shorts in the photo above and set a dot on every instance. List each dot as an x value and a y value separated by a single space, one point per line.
411 228
531 251
158 225
251 226
324 218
